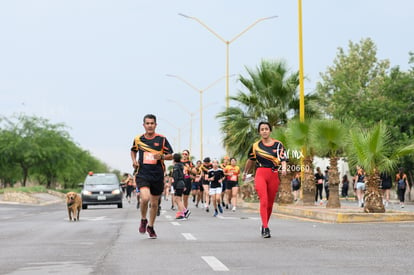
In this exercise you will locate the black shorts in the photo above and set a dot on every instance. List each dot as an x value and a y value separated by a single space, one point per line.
224 185
187 189
230 184
156 187
178 192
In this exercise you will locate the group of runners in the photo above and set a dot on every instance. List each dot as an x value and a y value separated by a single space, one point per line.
213 184
210 184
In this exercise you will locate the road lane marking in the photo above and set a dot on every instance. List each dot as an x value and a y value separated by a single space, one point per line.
168 216
236 218
94 219
214 263
175 223
189 236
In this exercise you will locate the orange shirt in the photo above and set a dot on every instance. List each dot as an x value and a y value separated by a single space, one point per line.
234 172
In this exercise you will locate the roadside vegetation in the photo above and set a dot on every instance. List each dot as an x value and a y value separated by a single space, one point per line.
361 101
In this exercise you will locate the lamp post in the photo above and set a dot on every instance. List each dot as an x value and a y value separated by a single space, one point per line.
191 120
178 130
301 89
200 91
227 42
192 114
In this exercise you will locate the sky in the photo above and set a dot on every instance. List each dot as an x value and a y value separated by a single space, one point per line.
99 66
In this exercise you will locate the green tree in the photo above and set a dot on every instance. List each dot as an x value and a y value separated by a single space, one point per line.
372 151
328 139
300 139
44 151
349 86
270 94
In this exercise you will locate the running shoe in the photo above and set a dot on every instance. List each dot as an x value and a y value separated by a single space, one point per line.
180 218
143 226
266 233
151 232
223 204
233 209
227 206
262 230
220 209
187 213
207 210
215 213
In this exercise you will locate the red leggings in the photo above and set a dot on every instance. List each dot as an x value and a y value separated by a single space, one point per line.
266 184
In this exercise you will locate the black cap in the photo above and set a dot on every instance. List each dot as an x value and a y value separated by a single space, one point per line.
207 159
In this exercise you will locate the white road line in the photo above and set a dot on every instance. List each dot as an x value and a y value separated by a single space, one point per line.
214 263
189 236
168 216
175 223
93 219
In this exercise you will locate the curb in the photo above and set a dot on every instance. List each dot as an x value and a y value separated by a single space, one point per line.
339 215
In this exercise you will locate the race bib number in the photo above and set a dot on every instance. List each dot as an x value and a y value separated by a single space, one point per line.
233 178
149 158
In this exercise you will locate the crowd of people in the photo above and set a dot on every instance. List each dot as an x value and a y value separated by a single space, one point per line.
359 186
214 184
211 183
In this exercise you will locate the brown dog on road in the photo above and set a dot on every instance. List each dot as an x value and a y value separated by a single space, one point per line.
74 203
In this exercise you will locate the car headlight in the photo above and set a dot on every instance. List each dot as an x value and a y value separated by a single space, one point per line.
116 192
86 192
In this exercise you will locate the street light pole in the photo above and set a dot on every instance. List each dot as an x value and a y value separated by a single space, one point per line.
301 89
191 120
192 114
227 42
178 130
200 91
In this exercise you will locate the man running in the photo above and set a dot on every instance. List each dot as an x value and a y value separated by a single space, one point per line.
152 149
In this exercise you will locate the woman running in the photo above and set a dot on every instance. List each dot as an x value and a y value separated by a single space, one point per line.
232 173
205 167
268 154
196 186
188 166
216 177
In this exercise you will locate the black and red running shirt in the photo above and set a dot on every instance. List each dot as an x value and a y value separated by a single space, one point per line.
188 166
267 156
150 168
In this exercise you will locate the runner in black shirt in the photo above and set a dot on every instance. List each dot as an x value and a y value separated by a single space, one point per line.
216 177
269 156
152 149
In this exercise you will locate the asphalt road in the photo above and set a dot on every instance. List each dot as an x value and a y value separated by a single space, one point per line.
41 240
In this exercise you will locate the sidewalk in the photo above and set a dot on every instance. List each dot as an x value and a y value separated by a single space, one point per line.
348 213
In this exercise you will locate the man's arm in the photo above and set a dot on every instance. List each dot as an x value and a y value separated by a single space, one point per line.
134 159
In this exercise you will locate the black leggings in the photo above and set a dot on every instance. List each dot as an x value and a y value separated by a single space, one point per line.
130 188
401 194
319 188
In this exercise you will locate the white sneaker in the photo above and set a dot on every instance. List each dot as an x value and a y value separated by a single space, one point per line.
233 209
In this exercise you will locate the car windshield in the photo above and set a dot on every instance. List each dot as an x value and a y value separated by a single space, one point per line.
101 180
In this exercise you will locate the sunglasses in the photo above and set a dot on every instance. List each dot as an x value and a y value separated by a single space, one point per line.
185 154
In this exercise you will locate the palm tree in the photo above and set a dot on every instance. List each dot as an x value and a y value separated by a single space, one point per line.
328 138
284 195
299 136
371 150
271 95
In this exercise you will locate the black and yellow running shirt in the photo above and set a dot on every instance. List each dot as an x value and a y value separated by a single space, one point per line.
150 168
188 166
267 156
